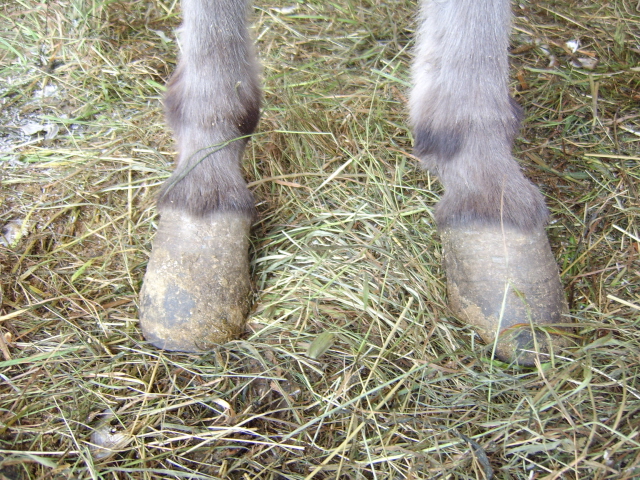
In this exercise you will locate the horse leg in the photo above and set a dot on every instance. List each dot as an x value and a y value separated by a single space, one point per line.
196 289
501 274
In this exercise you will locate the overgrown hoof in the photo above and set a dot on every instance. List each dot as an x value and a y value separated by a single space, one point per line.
196 290
505 283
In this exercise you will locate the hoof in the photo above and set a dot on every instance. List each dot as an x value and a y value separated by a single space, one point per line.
196 290
505 283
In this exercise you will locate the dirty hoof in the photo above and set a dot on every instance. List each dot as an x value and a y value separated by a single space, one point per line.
196 290
505 283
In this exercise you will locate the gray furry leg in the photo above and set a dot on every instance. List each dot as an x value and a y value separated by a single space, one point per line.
196 289
501 274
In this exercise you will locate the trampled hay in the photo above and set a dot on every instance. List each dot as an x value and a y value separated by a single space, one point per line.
345 244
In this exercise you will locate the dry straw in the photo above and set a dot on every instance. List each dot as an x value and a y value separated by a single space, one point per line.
346 245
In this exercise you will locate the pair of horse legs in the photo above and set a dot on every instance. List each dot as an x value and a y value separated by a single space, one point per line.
501 274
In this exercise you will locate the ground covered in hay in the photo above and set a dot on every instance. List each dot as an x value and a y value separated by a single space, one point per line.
346 259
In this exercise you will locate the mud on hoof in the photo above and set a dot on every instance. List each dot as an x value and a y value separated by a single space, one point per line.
505 283
196 290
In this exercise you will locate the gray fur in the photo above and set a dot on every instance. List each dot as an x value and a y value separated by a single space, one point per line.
212 105
463 117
